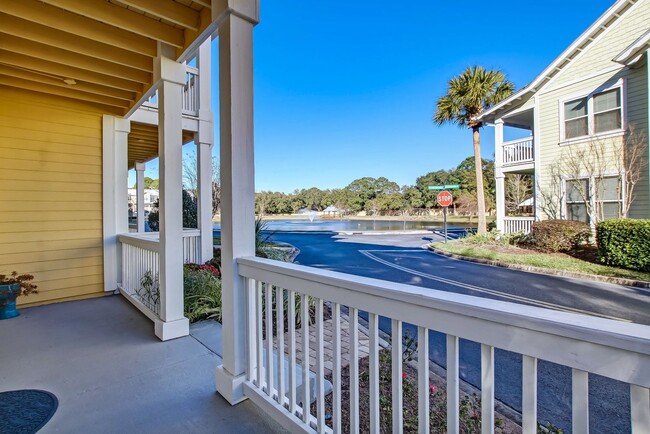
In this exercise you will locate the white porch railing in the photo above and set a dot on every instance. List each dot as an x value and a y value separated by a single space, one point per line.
518 151
616 350
190 93
140 267
513 225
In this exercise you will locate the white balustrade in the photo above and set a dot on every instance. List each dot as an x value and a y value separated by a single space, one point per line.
140 266
588 345
190 94
514 225
140 272
518 151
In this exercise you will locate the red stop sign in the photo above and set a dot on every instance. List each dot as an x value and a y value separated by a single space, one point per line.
445 198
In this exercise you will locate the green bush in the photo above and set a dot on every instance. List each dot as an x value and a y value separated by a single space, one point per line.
624 243
559 235
202 293
189 213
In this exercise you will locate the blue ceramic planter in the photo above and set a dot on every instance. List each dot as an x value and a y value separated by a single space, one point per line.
8 295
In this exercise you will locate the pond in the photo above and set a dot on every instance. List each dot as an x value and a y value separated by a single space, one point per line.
349 225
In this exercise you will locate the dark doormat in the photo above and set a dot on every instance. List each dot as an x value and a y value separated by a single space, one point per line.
25 411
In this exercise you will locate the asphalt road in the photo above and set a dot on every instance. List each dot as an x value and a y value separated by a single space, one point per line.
400 258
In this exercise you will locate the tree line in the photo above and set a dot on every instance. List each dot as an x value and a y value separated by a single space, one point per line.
381 196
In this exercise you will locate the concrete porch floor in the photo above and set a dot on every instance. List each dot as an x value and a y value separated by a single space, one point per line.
112 375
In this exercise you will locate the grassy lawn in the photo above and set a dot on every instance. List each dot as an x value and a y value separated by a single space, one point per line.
557 261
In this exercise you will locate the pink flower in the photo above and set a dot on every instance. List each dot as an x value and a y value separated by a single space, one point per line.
403 374
475 415
433 388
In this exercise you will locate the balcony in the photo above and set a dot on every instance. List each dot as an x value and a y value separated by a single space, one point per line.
190 94
518 152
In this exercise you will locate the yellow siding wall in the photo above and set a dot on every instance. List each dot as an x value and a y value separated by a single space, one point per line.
51 194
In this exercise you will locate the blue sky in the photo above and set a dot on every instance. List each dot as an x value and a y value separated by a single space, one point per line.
346 89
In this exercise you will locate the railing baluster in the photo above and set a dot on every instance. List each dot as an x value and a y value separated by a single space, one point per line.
423 380
279 308
320 367
453 386
251 322
268 306
373 352
580 402
336 368
354 370
260 336
292 351
529 395
640 409
397 382
304 325
487 389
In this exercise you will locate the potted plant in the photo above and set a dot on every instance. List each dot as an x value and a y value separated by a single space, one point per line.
12 286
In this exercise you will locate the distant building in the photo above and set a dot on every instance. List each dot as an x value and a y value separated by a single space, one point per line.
150 197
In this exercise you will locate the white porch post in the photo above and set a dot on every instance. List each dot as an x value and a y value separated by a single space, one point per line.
115 210
238 189
204 140
498 174
139 186
170 76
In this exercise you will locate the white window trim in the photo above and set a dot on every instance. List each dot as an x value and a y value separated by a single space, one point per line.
621 85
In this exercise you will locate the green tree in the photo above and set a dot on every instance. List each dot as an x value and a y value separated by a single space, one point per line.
151 183
475 90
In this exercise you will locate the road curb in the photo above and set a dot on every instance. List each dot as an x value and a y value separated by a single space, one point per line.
547 271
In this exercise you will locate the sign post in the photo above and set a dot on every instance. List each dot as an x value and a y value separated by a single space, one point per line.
444 200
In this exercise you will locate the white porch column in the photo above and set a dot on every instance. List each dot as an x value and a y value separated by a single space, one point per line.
170 76
139 186
115 210
204 140
498 174
238 189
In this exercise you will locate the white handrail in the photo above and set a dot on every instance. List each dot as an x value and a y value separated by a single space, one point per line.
613 349
513 225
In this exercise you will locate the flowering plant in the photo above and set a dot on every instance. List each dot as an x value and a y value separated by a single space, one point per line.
24 280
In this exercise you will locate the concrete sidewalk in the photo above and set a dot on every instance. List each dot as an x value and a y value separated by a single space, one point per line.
112 375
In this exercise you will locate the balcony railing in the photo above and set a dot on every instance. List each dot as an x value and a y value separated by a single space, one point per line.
190 93
513 225
587 345
518 151
140 267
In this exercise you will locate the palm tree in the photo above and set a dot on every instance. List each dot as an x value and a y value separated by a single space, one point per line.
468 95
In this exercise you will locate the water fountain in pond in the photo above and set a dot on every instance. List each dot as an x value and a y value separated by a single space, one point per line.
312 215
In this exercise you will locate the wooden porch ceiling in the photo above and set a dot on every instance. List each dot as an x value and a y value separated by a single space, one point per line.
143 142
99 51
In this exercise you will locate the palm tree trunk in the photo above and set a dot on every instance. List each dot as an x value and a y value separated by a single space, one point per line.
480 192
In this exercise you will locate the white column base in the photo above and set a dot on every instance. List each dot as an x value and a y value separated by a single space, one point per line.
172 329
230 387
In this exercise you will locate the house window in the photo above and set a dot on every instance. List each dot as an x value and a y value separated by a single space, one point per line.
577 190
601 195
597 113
609 197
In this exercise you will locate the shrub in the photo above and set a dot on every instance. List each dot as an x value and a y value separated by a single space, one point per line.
189 213
202 292
559 235
624 243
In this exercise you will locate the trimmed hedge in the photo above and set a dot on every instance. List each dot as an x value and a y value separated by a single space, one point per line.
559 235
624 243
